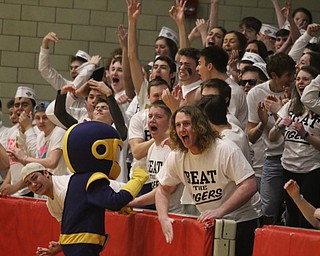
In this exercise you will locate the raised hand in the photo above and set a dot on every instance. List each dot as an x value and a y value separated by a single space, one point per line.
50 37
122 36
286 11
25 121
313 29
176 11
293 189
68 88
134 9
95 59
263 114
273 103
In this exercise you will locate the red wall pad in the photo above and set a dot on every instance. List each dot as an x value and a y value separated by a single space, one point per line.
285 241
26 224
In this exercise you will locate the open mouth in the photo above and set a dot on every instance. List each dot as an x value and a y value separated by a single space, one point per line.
185 139
153 128
115 80
211 43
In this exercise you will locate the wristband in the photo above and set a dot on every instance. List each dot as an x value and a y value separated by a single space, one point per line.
300 199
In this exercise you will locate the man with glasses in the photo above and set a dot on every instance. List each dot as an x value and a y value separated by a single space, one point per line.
264 103
250 77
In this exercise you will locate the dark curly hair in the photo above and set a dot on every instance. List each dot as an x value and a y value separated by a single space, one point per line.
199 123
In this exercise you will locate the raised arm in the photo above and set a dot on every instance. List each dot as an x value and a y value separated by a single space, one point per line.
134 10
113 107
294 30
213 17
200 30
313 30
281 20
177 14
310 96
47 72
60 107
128 84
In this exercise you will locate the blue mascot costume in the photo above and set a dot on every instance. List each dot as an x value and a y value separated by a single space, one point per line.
90 151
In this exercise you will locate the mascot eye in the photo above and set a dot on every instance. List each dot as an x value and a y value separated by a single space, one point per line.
100 149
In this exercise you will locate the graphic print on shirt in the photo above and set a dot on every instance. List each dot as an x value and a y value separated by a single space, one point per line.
42 152
147 135
12 144
203 189
309 121
154 167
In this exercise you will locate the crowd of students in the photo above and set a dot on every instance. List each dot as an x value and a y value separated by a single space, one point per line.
222 131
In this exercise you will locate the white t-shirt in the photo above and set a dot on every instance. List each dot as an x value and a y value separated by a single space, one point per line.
258 156
15 167
49 143
212 177
298 155
132 109
237 135
138 129
238 104
157 155
258 94
60 186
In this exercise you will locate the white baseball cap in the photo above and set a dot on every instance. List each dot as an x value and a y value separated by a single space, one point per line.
31 168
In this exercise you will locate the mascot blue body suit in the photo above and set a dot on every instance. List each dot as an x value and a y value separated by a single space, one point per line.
90 150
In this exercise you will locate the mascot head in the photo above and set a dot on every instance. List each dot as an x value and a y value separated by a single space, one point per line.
92 147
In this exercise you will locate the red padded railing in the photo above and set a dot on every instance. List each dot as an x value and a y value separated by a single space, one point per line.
26 224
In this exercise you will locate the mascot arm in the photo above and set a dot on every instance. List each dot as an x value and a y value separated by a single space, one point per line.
100 194
139 177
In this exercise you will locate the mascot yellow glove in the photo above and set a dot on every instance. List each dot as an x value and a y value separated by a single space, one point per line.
126 210
139 177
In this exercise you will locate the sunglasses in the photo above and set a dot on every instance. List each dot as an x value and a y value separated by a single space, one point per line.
251 82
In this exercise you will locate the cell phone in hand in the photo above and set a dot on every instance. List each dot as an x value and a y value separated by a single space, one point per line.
97 74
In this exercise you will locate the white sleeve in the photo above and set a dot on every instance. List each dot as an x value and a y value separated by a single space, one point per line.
31 142
49 73
310 96
253 116
142 96
84 73
297 49
56 139
284 111
136 128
